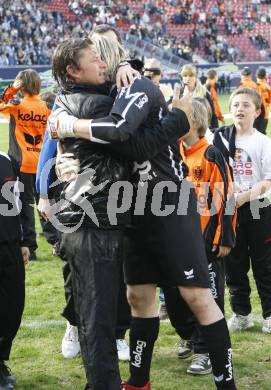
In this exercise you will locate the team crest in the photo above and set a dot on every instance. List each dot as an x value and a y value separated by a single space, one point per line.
197 173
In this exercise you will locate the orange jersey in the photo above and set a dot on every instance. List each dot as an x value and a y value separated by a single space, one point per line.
264 90
27 124
210 173
216 104
248 83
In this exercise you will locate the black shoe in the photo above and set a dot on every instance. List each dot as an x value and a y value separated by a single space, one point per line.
33 256
5 373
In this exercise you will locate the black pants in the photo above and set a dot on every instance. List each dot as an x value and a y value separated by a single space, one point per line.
123 308
253 247
29 198
180 315
12 293
95 258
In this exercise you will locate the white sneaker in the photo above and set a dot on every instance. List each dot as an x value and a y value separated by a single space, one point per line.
239 322
70 344
267 325
123 350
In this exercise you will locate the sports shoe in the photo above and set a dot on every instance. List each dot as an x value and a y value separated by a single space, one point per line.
70 344
5 372
267 325
239 322
200 365
126 386
185 349
123 350
163 316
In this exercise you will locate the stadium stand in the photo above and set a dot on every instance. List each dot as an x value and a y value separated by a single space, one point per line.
216 30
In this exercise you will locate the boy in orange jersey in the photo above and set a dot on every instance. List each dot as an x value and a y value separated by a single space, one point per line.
264 90
247 82
214 188
211 82
28 118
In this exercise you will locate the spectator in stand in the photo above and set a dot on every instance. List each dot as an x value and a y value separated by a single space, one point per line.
211 83
28 118
194 88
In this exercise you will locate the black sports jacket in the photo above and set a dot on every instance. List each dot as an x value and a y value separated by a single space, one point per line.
103 163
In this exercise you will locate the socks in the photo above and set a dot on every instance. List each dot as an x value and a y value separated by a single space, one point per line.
143 334
218 344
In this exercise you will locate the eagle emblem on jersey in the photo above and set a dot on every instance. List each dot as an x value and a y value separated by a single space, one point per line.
197 172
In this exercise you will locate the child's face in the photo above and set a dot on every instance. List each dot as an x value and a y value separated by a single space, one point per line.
243 110
189 80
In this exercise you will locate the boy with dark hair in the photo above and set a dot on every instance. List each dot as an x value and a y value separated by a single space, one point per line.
13 254
264 90
211 82
249 154
247 82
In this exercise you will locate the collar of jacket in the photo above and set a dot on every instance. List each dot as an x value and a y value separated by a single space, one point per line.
103 89
229 133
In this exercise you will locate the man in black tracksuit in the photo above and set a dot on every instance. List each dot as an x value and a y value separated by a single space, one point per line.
164 247
95 252
13 253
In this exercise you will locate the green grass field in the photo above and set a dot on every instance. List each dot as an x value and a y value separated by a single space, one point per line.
36 358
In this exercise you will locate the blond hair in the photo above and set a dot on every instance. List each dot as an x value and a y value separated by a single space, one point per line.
252 93
111 52
199 90
199 116
208 107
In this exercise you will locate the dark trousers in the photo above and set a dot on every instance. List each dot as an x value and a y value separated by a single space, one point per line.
95 258
29 198
180 315
12 293
123 308
253 248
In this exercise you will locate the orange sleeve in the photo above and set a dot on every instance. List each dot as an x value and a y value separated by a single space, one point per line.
8 107
8 94
216 105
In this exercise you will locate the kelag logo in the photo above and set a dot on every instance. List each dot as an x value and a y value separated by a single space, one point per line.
32 117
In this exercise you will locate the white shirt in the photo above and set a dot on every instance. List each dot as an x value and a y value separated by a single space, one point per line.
252 161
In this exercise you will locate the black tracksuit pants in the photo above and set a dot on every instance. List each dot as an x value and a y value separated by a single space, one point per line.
123 308
253 248
29 198
95 258
12 294
180 315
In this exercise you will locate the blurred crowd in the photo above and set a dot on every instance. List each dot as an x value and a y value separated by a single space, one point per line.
29 32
